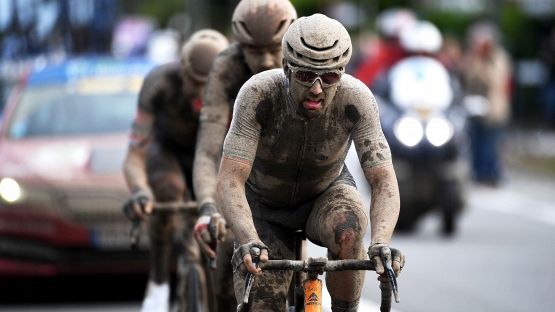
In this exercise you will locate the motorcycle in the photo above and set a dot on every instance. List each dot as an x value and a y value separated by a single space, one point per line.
424 122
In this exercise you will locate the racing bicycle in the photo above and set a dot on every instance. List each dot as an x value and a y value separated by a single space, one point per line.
192 286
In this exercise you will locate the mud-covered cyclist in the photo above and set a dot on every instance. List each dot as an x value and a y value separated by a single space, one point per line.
158 165
258 28
283 166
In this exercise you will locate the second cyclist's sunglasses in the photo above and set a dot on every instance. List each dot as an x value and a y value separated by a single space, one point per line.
307 77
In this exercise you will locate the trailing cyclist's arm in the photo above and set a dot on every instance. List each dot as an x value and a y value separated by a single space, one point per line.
134 167
226 77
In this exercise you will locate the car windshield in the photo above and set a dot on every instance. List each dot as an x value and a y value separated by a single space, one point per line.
84 107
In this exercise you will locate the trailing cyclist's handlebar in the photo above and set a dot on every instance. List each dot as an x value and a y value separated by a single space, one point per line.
175 206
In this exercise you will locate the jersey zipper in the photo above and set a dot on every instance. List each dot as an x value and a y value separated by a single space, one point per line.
299 164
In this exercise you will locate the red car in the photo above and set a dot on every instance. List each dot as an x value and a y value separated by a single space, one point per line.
63 138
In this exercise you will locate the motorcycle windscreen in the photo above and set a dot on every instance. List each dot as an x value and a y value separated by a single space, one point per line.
420 83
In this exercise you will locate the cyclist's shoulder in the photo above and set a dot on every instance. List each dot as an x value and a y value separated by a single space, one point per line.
230 58
164 72
354 91
267 84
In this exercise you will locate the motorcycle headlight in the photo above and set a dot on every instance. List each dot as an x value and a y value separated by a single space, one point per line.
408 131
10 190
439 131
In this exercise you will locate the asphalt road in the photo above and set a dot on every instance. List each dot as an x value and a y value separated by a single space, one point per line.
500 260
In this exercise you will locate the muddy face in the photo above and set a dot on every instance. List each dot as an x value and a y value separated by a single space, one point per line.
193 89
261 58
311 101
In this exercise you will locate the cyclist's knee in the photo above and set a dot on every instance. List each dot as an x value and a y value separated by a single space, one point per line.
347 229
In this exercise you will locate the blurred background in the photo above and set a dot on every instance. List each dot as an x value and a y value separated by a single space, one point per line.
70 71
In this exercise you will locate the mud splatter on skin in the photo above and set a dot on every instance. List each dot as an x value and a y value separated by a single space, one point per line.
352 113
367 157
346 228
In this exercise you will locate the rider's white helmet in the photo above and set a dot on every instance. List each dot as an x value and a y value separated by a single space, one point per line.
421 37
390 22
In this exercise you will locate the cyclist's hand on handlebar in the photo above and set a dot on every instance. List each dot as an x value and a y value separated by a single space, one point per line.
244 258
395 258
138 205
209 229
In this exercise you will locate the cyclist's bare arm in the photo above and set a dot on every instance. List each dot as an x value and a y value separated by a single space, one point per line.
384 205
134 168
375 159
238 156
226 77
231 188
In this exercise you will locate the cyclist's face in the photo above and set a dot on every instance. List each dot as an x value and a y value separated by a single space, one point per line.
312 90
261 58
192 88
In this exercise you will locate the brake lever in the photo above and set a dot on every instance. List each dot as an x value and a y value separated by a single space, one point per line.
135 234
249 279
386 255
212 230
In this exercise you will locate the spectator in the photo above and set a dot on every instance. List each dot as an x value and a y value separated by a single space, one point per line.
486 74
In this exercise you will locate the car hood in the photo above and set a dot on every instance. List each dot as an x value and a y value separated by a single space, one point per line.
79 161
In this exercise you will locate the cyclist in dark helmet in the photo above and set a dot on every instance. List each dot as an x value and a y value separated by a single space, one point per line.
283 168
159 162
258 27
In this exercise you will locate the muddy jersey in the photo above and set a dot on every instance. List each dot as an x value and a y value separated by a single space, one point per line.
294 158
229 72
175 121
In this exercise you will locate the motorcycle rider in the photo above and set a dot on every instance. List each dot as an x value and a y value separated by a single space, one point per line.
283 168
388 50
258 26
158 165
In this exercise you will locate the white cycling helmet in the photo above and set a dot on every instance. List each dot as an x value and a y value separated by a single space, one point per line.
390 22
198 53
318 42
421 37
262 22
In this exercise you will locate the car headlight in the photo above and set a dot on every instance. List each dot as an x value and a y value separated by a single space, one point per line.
439 131
10 190
408 131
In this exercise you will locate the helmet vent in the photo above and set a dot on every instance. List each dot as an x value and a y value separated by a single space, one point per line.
281 26
241 27
316 48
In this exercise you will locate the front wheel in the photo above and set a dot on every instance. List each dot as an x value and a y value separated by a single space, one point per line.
192 289
451 205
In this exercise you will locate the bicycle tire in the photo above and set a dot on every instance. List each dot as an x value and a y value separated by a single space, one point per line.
194 300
